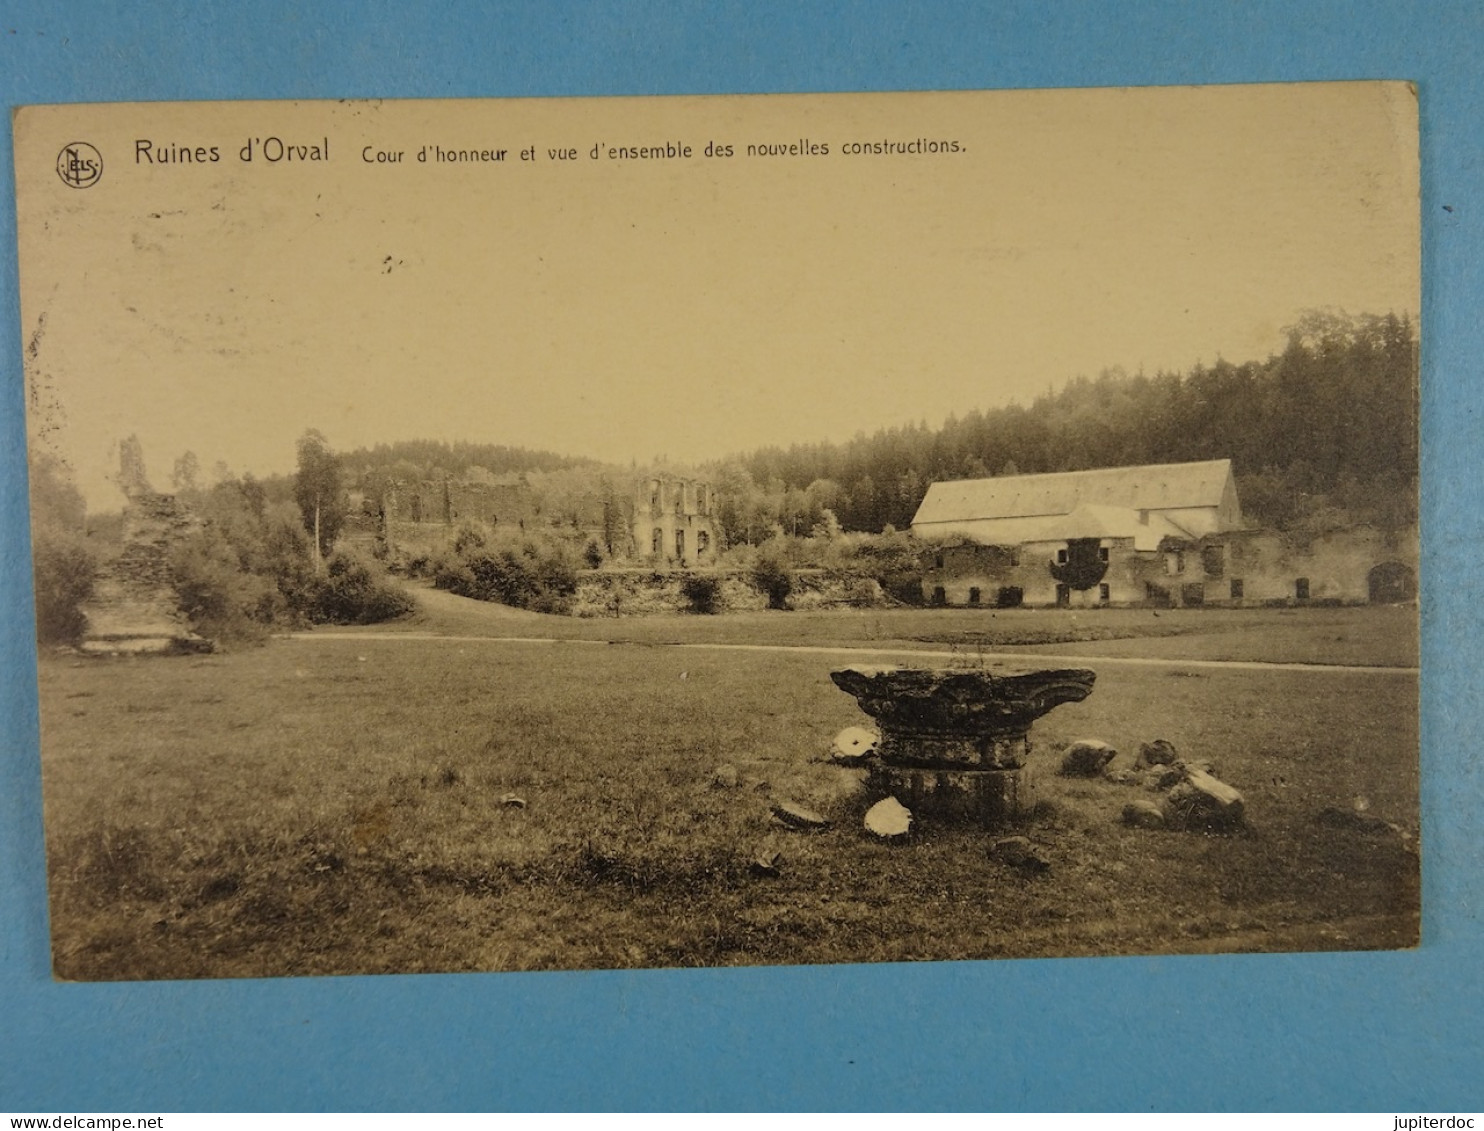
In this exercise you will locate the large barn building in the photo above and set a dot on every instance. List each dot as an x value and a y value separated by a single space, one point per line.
1184 500
1159 534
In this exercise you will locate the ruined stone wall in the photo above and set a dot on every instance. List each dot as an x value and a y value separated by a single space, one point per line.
1235 569
134 607
674 521
421 518
991 576
434 501
1335 566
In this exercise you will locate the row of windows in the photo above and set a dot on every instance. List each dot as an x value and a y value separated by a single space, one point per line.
1192 594
699 500
1061 556
657 542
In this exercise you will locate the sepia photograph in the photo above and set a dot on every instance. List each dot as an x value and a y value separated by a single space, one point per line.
631 533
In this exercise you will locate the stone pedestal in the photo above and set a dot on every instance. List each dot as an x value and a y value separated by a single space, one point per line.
954 743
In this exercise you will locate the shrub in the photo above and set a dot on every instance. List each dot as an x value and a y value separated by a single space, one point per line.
64 570
349 593
702 592
528 575
864 593
223 602
452 573
471 536
773 578
892 559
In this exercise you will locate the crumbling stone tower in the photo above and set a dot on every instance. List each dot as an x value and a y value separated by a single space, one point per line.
135 607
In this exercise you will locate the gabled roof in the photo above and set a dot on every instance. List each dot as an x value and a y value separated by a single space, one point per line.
1086 521
1151 487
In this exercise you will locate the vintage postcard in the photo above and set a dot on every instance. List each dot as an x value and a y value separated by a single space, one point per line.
655 532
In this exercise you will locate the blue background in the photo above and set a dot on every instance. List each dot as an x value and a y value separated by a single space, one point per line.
1370 1031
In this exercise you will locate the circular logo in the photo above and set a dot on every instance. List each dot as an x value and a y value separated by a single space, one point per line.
79 165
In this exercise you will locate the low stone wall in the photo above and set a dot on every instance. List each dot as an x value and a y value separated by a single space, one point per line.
638 592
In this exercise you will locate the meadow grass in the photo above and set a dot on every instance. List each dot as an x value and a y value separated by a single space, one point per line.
344 805
1382 635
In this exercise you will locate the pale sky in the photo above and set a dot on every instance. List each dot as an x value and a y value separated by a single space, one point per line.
623 309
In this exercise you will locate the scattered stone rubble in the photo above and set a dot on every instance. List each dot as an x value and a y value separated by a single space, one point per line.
1143 814
1086 758
1195 798
888 819
798 817
767 862
1019 852
1192 797
1157 753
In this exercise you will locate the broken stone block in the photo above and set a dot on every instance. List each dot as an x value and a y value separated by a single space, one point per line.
889 818
1086 758
852 746
1200 764
766 863
725 777
1157 753
798 817
1019 852
1204 802
1122 775
512 801
1143 814
1163 777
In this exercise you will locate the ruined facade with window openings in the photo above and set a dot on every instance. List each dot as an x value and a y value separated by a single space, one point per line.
674 521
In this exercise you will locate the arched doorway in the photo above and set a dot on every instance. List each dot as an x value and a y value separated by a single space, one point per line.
1390 583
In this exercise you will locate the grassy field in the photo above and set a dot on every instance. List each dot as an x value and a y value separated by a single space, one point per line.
1385 635
340 804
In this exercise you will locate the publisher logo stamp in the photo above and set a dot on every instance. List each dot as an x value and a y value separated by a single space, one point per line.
79 165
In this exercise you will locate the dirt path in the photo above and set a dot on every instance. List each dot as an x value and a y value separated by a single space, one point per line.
867 654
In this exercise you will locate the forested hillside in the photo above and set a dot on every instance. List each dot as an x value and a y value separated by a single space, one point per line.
1324 432
434 459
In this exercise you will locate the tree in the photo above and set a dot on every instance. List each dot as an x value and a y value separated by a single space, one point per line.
774 578
132 480
62 563
186 472
317 491
1084 566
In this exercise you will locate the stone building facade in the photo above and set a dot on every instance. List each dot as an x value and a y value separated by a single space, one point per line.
1242 568
674 521
1162 536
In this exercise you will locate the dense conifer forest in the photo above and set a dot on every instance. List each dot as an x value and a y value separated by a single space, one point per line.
1324 431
